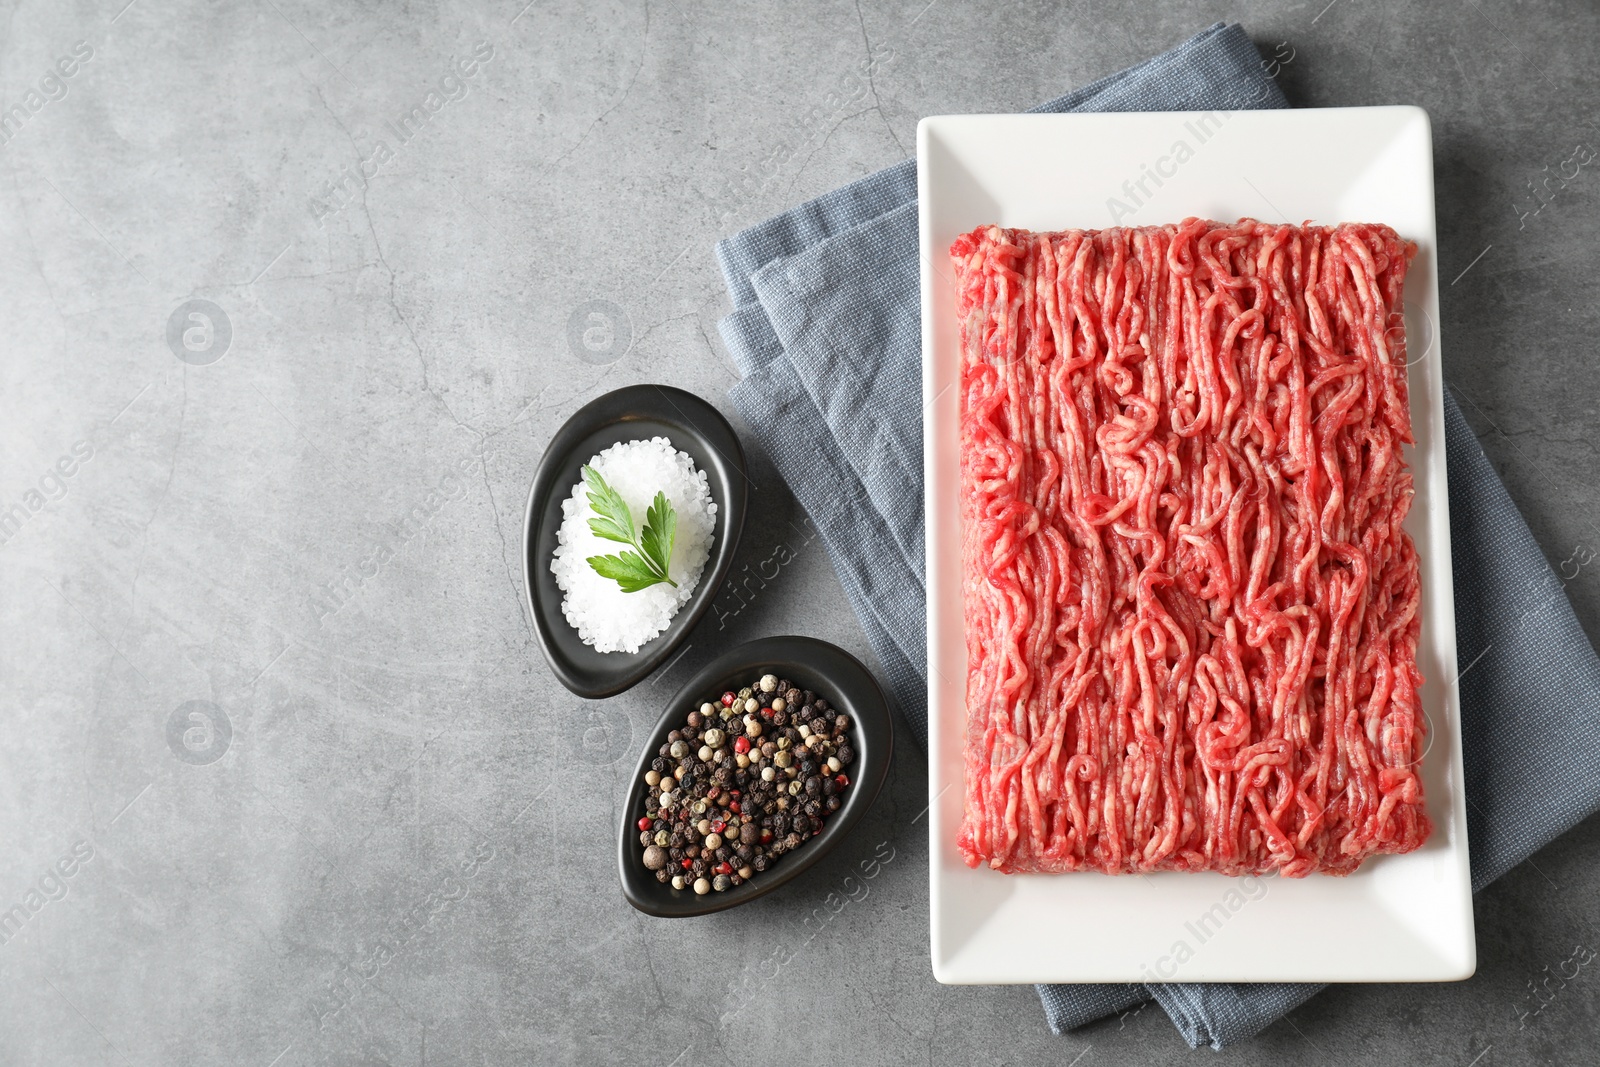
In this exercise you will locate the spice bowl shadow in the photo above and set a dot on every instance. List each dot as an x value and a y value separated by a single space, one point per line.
637 412
807 663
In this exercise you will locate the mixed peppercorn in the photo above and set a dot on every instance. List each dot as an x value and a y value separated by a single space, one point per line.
747 778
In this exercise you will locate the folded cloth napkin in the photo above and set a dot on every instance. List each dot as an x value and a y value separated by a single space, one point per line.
826 331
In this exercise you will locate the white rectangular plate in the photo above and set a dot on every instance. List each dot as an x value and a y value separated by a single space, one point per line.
1399 918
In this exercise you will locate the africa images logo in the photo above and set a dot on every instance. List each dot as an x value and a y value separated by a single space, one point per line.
199 332
51 887
348 186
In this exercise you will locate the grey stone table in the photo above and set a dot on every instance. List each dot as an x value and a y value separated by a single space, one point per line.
295 293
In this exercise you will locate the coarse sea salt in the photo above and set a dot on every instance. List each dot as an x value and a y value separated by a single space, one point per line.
603 615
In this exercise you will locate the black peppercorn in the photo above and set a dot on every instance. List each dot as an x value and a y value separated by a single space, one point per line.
834 803
818 726
744 852
695 719
813 787
759 863
814 808
659 765
791 696
808 768
734 879
780 717
663 875
829 787
723 853
847 754
783 685
676 840
664 751
675 854
676 735
749 834
841 723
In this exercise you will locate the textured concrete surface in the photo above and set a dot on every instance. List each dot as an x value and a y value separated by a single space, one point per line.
284 780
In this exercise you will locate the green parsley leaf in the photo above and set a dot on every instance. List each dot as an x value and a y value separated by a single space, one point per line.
660 531
612 519
627 569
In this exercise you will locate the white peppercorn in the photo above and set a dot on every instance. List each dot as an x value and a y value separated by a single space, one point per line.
752 706
701 886
742 760
834 765
652 778
768 774
708 708
705 753
715 738
769 682
677 881
778 704
713 841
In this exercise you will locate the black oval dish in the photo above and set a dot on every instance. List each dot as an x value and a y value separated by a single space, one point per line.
827 670
634 413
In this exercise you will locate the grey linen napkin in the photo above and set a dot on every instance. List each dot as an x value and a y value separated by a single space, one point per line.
826 331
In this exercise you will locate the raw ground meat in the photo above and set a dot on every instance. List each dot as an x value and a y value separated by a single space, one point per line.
1191 611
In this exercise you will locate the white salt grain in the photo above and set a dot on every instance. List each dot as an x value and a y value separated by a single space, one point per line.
597 608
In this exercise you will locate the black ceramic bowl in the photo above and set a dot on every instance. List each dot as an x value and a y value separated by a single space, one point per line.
634 413
827 670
